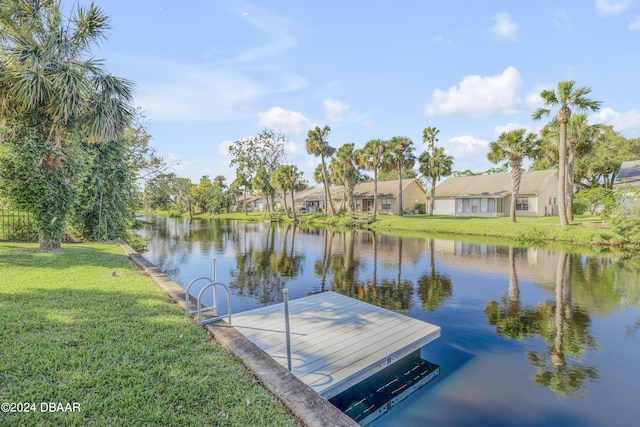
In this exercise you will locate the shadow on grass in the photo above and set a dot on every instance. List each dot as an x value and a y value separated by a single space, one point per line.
70 255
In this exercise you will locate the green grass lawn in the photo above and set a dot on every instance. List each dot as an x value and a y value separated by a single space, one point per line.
73 332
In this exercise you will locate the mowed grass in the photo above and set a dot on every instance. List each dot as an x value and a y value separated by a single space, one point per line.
72 331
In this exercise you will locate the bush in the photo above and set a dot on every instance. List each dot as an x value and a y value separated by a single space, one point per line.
597 200
626 222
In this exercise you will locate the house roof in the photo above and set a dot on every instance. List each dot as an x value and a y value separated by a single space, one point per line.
360 191
316 193
385 188
497 185
629 173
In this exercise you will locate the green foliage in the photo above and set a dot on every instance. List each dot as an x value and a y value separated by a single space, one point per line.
37 179
595 200
626 222
531 236
106 199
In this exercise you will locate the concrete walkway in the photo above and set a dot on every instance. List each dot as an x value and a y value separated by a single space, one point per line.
310 408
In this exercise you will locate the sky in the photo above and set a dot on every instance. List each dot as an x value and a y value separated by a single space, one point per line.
210 72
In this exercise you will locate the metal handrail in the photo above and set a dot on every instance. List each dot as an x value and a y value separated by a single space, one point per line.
187 295
213 308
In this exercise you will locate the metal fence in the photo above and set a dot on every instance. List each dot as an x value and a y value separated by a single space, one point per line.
16 225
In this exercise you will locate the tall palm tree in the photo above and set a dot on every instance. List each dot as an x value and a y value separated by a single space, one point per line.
344 167
51 85
430 136
318 145
434 166
289 178
581 137
568 97
398 156
371 157
513 147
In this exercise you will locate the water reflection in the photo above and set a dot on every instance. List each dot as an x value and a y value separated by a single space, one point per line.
261 267
563 327
565 324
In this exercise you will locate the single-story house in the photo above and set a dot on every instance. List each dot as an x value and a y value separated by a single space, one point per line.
490 195
253 202
413 193
312 200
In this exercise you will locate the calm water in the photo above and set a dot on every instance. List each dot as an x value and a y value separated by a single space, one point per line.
529 336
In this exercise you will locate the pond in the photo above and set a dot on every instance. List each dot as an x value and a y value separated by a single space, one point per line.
530 336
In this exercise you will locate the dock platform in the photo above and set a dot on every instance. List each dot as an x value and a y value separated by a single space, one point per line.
336 341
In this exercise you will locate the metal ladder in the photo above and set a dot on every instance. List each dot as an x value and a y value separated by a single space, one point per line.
213 284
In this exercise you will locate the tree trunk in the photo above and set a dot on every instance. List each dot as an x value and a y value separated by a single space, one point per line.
326 186
433 196
375 192
570 177
563 118
400 189
293 206
515 189
284 199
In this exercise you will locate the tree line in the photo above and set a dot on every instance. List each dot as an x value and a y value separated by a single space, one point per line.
73 148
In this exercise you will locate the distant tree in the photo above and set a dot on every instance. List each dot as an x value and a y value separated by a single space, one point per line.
266 150
435 165
513 147
399 156
318 145
371 158
568 97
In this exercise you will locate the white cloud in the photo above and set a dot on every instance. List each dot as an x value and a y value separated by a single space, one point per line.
504 27
562 20
336 111
468 153
628 124
442 40
498 130
292 123
609 7
479 96
635 25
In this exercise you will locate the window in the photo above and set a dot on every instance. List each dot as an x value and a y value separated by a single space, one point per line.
474 205
386 204
500 207
522 204
491 205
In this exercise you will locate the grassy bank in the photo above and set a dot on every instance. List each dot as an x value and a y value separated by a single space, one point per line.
83 326
581 232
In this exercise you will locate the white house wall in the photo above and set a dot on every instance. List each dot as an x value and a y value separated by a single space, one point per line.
444 207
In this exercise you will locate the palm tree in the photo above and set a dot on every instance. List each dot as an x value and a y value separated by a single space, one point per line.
398 156
513 147
567 96
434 166
289 178
344 168
317 145
429 135
370 157
51 85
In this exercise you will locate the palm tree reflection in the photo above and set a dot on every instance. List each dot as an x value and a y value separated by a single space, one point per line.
559 324
566 335
434 288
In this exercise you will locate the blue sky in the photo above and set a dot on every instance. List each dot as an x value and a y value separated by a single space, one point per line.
211 72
